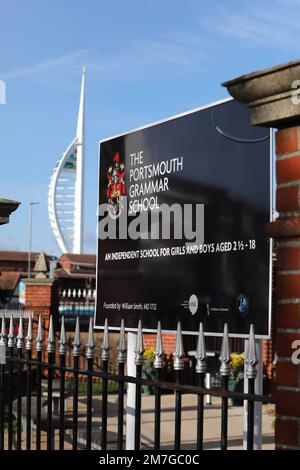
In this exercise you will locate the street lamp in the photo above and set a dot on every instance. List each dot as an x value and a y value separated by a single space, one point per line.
31 204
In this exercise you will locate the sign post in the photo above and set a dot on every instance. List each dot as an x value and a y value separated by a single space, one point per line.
258 389
130 404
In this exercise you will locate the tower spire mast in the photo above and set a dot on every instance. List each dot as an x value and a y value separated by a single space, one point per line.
79 184
66 189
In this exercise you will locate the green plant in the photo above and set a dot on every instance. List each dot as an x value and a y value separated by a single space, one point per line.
149 357
14 420
236 379
237 366
112 387
149 373
168 362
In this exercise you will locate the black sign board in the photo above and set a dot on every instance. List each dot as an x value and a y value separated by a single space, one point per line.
213 158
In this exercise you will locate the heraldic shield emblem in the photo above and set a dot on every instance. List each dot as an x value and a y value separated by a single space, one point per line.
115 186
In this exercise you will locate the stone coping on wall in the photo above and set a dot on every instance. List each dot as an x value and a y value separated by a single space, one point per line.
6 208
272 94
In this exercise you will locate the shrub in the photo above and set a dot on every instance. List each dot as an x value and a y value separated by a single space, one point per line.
237 366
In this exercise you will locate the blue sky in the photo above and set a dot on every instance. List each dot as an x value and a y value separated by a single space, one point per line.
145 61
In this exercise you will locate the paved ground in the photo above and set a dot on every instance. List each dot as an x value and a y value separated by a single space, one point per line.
188 432
212 424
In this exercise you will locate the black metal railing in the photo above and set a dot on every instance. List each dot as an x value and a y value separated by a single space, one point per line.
28 412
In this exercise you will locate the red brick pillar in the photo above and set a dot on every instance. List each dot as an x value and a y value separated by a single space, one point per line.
41 297
286 231
169 340
272 96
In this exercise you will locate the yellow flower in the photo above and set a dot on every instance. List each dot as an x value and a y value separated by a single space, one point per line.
237 363
149 354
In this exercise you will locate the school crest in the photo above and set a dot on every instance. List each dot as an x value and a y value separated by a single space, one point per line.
116 188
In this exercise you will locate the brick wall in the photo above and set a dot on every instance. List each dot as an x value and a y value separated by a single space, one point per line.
168 342
269 346
41 297
286 231
38 296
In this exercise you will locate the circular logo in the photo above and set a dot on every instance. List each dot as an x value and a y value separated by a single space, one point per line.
242 305
193 304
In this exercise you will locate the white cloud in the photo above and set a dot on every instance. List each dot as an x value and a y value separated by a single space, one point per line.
148 57
177 51
269 24
45 65
9 245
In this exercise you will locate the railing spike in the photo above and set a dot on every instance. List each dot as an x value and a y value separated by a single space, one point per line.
122 344
11 338
20 337
29 336
62 338
51 337
179 351
39 338
225 356
159 352
76 343
139 347
90 344
251 357
201 352
105 344
3 332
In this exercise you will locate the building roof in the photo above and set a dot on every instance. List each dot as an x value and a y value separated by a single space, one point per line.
62 273
84 259
9 280
76 266
16 256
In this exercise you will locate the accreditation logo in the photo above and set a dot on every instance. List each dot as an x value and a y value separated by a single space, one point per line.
116 188
242 305
191 304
